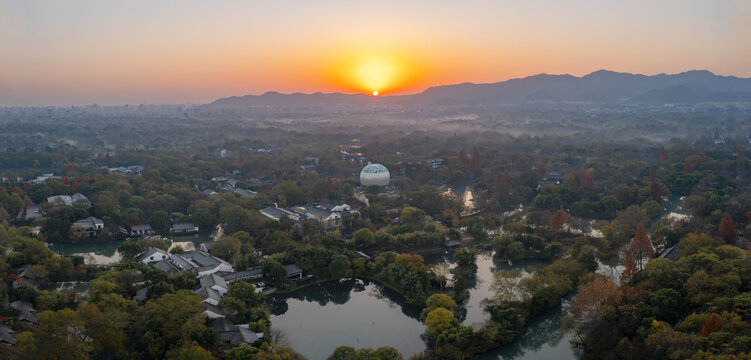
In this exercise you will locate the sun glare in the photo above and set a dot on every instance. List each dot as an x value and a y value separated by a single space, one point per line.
373 73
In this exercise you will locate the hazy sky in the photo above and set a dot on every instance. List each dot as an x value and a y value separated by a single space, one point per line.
116 52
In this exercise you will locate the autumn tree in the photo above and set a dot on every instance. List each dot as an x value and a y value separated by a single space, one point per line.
591 298
630 271
558 219
476 159
712 324
727 229
640 246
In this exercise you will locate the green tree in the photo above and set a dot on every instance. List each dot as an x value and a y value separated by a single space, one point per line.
364 238
439 320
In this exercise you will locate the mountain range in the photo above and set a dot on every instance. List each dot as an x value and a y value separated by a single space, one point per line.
599 87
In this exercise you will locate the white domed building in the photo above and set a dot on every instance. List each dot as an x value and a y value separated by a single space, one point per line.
375 174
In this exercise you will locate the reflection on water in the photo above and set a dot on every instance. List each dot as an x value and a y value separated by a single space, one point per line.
540 340
104 253
358 313
467 197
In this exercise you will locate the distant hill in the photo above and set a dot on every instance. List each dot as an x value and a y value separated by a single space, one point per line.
601 86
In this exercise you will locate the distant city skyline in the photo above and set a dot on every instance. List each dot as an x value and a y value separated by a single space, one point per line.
129 52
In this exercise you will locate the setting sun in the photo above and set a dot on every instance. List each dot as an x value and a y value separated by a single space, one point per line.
374 72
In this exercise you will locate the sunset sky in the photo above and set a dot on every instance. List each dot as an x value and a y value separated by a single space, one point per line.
118 52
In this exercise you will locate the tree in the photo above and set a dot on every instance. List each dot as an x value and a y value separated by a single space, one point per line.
438 301
591 297
339 266
226 247
712 324
640 246
558 219
630 271
727 229
465 258
189 350
160 221
364 238
438 320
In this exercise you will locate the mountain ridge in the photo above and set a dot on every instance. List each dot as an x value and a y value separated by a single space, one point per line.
601 86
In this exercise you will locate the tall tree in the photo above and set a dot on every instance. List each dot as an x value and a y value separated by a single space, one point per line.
630 271
727 229
558 219
640 246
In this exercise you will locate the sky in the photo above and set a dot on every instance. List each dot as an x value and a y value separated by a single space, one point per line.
78 52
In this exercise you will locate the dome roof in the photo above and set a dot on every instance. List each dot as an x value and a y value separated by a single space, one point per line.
375 174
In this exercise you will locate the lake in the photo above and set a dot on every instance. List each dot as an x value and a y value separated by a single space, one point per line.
360 313
354 312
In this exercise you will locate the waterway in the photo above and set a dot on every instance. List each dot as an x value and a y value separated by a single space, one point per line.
104 253
360 314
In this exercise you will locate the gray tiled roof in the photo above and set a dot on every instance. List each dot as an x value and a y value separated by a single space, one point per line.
155 252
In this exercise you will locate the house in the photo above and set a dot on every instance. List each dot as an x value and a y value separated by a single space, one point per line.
244 193
244 275
553 177
212 311
153 255
213 288
183 228
142 295
235 334
307 167
91 225
293 271
141 230
127 170
26 312
206 247
435 163
167 266
7 335
671 253
201 263
275 213
32 212
68 200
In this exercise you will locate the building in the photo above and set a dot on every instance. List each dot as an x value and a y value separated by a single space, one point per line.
141 230
91 225
212 289
26 312
553 178
183 228
153 255
293 271
68 200
234 334
7 335
201 263
375 174
253 273
436 163
275 213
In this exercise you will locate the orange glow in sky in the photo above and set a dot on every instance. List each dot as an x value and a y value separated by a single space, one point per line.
55 53
373 73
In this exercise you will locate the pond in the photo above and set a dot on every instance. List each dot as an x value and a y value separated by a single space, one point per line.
359 313
104 253
362 314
